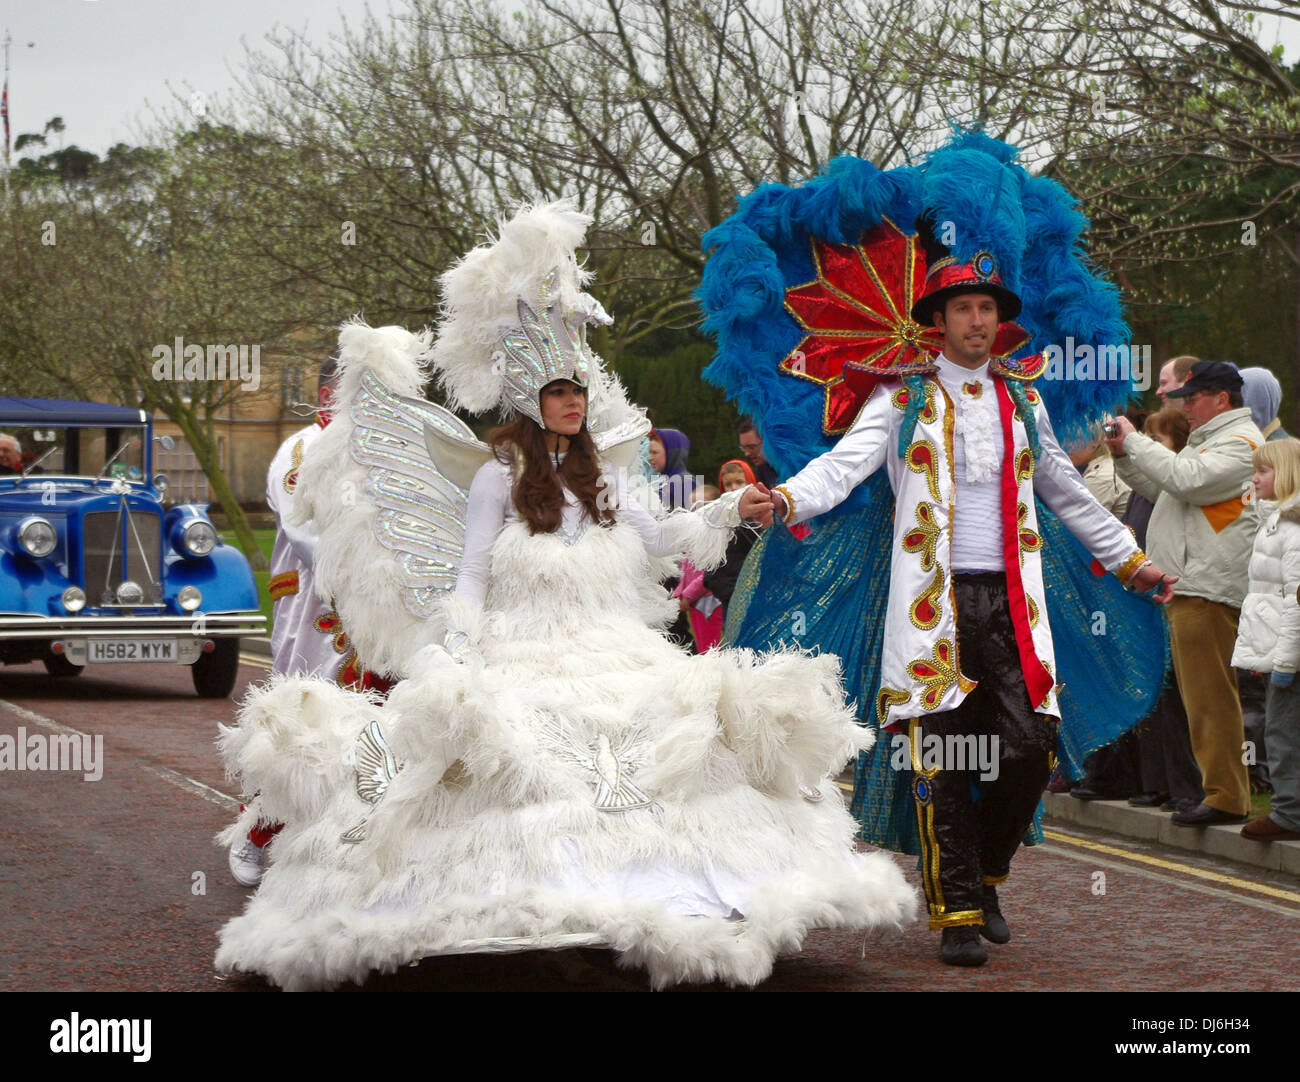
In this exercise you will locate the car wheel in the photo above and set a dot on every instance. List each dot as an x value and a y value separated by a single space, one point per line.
214 674
58 665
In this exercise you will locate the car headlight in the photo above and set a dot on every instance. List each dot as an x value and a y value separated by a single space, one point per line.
74 599
37 537
129 593
199 538
189 598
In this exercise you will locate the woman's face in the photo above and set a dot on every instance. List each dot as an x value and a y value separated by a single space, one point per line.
733 481
658 456
564 407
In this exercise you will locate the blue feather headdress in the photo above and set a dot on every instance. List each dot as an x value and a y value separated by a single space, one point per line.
1030 224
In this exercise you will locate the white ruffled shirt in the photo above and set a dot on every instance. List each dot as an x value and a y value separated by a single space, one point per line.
977 467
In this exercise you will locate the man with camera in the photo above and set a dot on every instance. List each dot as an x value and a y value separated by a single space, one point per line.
1202 531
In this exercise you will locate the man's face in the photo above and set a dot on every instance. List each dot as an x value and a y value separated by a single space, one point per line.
1168 382
11 455
751 443
968 323
1203 406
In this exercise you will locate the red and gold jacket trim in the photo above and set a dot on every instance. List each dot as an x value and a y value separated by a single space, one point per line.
284 584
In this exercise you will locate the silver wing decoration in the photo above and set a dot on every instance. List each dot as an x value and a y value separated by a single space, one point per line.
375 770
420 459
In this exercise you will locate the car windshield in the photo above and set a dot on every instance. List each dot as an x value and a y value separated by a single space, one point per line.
73 452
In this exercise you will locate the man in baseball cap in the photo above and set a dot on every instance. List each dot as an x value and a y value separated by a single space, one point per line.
1202 531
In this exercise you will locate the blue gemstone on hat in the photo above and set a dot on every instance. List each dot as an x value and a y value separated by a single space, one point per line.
985 265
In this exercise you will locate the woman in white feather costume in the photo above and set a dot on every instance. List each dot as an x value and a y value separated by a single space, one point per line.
550 771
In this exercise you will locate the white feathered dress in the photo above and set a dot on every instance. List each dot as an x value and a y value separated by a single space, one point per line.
573 779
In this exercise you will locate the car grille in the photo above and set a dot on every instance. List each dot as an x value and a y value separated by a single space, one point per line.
102 547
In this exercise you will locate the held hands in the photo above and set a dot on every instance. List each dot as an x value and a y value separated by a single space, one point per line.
1152 581
756 503
1125 427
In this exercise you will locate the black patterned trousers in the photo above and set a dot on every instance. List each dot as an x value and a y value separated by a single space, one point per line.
971 826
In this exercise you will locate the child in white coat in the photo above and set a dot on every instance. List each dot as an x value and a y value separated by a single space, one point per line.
1268 633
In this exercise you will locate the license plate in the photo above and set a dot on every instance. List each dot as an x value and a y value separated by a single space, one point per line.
131 650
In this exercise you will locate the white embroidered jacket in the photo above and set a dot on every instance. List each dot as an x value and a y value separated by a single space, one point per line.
306 636
920 668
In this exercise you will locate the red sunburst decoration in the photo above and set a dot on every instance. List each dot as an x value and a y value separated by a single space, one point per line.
857 312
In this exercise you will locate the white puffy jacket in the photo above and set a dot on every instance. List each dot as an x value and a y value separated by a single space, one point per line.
1268 634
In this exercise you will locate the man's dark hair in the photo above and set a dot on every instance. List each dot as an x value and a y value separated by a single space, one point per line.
746 425
329 372
1235 400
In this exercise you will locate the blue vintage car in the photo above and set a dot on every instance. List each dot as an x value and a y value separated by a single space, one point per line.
94 569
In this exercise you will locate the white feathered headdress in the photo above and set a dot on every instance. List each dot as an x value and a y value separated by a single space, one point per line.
516 315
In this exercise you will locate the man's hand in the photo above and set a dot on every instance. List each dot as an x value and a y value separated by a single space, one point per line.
1116 445
1149 577
756 503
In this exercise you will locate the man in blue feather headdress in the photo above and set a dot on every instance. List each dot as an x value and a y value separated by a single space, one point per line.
967 667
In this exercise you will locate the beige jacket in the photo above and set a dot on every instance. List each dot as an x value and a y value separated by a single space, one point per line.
1201 529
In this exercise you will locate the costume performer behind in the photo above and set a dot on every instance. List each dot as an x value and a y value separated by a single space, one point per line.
307 638
918 367
550 772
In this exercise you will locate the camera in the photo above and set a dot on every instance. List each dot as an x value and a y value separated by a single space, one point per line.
1110 429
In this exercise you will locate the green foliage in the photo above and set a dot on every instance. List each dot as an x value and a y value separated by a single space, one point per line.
668 383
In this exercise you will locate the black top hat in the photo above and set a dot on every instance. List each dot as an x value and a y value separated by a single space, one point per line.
946 278
1210 376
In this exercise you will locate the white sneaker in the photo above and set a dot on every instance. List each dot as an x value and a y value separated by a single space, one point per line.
247 862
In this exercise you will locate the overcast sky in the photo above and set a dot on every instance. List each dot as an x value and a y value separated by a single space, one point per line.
101 64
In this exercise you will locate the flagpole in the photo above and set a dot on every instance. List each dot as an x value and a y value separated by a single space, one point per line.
6 116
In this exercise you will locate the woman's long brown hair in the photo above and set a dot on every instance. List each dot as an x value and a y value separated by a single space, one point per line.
537 492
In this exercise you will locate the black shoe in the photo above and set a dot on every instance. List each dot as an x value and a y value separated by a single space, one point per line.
1202 815
1080 792
962 947
1179 803
1149 800
994 928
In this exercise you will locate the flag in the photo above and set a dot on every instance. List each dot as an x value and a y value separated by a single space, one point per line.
4 112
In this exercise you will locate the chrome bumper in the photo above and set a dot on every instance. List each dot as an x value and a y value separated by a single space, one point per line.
207 625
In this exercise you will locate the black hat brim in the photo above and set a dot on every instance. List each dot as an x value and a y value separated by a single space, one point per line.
1008 303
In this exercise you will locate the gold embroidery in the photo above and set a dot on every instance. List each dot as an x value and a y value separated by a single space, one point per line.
284 584
1129 567
995 880
887 697
925 822
939 919
290 481
973 389
789 503
329 624
938 674
1029 541
922 458
1033 611
925 537
1024 465
925 611
902 397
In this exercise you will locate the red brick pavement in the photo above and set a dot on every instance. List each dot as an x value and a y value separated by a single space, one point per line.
99 880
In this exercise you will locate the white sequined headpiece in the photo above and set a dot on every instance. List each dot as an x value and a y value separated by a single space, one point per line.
516 315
